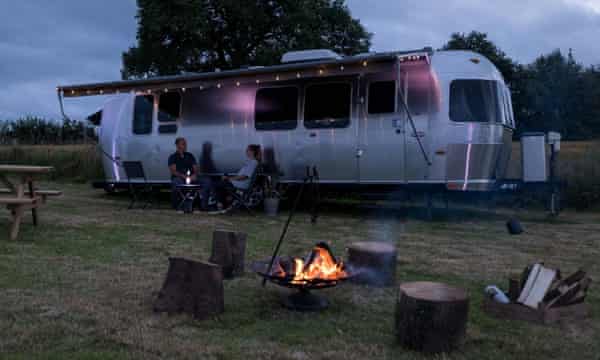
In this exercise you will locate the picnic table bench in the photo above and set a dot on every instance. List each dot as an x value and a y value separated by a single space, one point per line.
17 198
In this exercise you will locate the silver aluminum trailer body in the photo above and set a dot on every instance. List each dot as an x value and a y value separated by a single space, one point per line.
458 104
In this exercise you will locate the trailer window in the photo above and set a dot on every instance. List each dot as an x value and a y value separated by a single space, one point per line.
169 106
327 105
276 108
142 114
382 97
475 101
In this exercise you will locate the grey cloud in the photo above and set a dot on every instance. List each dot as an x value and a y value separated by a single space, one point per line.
47 43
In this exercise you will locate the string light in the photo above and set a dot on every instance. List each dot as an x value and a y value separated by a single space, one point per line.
298 75
72 92
182 89
342 68
237 84
101 92
257 81
201 87
321 71
218 85
148 91
277 78
166 90
364 63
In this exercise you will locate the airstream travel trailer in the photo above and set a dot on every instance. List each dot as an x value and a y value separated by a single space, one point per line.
414 118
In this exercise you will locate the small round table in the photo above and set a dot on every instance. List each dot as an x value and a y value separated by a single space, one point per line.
188 192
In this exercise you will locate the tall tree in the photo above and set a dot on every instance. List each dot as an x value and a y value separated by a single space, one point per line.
554 95
179 36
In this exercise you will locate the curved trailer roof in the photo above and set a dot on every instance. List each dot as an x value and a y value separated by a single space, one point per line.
329 67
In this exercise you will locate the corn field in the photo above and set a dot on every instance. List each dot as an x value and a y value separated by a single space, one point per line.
32 130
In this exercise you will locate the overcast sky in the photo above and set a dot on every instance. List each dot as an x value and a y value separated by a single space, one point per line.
47 43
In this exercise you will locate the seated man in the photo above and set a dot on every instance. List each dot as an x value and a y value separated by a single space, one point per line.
181 164
242 179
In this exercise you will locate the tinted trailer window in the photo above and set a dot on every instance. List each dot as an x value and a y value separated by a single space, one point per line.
276 108
142 114
382 97
169 111
475 101
327 106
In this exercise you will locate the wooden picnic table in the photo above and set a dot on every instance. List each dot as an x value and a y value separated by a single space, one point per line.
19 200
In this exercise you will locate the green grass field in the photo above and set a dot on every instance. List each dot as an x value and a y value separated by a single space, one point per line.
81 285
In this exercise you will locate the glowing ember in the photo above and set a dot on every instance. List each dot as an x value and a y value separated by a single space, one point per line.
319 265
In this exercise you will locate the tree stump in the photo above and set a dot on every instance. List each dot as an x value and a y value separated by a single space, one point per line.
373 263
431 317
192 287
228 251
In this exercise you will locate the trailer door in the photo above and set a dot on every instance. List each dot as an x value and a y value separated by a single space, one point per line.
329 130
380 150
416 90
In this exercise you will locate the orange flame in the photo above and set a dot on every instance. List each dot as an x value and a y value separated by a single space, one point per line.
321 266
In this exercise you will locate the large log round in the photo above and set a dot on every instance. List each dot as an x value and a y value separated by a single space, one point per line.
193 287
228 251
431 317
374 263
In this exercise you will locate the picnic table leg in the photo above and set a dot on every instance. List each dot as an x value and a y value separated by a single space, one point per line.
17 217
17 214
31 195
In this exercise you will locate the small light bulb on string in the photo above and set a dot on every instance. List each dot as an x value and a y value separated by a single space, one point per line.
298 75
364 63
201 87
237 84
218 85
277 78
257 81
166 90
342 68
321 71
182 89
101 92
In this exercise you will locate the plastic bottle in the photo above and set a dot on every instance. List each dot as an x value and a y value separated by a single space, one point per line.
497 294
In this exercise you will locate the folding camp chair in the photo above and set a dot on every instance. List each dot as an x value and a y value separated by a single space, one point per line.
139 188
250 197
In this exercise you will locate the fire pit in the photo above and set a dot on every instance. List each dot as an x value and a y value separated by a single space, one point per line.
319 270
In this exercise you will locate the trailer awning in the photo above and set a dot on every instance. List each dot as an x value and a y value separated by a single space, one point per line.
335 67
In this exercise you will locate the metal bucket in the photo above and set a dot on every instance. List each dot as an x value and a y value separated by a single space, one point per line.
271 206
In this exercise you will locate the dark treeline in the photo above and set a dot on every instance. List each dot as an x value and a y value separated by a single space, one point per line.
32 130
554 92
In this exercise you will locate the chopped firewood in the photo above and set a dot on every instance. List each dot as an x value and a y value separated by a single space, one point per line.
538 282
576 291
560 287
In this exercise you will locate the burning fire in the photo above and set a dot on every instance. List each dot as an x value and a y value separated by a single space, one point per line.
319 265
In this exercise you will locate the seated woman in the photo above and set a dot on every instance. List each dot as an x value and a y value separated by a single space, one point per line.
242 179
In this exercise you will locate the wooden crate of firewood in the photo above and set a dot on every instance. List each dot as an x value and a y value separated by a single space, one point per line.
540 295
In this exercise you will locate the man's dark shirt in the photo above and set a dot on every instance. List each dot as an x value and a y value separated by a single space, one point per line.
182 163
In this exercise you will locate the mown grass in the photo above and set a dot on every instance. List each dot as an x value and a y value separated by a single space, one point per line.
81 284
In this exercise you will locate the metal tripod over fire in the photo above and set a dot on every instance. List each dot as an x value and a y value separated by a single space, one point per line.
318 270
